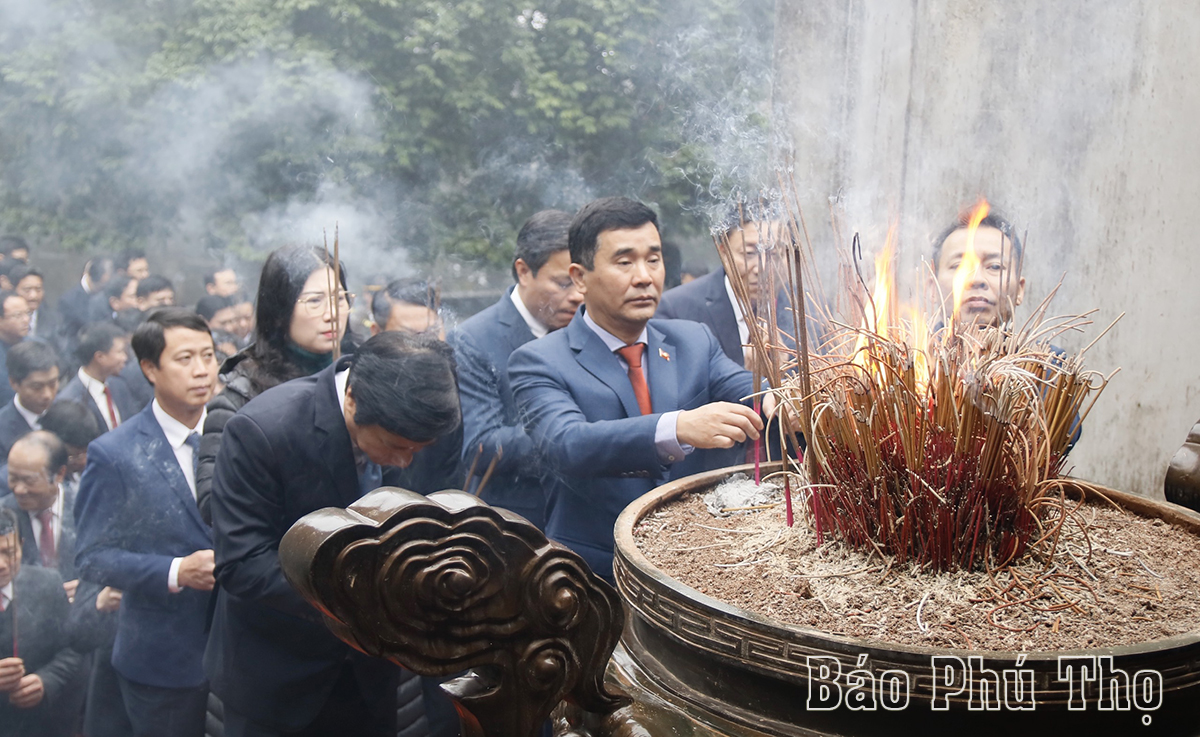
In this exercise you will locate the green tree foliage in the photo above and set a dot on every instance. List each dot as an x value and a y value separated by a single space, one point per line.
208 122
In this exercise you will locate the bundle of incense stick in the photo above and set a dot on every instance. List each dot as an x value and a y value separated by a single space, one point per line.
944 447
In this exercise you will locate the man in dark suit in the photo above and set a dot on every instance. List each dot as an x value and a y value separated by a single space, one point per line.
618 403
140 531
710 299
37 465
40 682
28 282
73 304
544 299
14 328
102 354
316 442
33 376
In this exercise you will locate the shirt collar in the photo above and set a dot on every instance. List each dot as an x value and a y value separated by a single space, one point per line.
7 590
610 340
30 418
177 433
535 326
83 283
89 382
340 380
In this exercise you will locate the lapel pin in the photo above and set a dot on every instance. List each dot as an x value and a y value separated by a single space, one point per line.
664 355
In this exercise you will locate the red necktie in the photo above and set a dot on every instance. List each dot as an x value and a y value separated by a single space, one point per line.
46 543
112 413
633 356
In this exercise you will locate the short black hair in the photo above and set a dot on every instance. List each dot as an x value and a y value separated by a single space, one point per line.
410 291
22 271
694 269
56 450
96 338
116 285
153 283
149 340
5 295
543 235
99 267
740 212
406 383
125 257
128 320
210 304
9 525
993 220
28 356
10 243
72 422
210 277
597 216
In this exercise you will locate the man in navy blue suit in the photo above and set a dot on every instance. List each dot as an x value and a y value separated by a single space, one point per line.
139 530
618 403
102 355
544 299
316 442
33 376
14 328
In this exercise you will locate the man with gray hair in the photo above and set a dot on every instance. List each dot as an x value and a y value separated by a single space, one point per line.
543 299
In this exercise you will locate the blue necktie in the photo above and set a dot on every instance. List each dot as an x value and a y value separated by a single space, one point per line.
193 440
370 477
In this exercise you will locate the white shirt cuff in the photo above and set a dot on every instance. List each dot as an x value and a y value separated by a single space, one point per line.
173 576
666 442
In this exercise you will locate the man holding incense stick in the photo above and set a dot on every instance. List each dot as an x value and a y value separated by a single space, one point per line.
618 403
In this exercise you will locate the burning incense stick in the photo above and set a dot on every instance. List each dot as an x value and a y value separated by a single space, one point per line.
787 498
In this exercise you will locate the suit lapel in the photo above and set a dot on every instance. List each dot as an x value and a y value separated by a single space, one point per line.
662 372
334 440
517 332
596 359
716 299
162 457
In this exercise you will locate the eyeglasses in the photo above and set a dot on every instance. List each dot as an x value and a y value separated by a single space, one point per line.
316 303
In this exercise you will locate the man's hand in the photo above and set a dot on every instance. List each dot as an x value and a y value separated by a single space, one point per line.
12 670
717 425
69 587
109 599
29 694
196 571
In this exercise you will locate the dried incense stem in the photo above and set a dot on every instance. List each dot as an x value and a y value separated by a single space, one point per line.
336 292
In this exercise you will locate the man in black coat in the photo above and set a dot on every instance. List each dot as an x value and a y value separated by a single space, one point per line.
102 354
315 442
40 683
14 328
73 305
33 376
37 465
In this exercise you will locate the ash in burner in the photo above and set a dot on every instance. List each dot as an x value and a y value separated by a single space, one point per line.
739 494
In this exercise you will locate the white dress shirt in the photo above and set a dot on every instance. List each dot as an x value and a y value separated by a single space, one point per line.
535 326
666 439
743 328
95 388
34 420
56 512
6 595
177 434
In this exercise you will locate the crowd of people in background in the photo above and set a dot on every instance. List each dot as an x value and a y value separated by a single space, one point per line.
155 455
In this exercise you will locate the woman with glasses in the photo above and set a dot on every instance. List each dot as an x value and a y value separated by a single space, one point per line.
301 315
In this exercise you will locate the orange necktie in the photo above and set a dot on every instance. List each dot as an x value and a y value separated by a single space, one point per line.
112 413
633 356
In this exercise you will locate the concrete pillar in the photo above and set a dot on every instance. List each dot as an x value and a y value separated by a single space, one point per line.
1078 120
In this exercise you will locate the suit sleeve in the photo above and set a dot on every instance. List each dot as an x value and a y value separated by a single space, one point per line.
210 442
483 414
568 442
103 509
728 382
248 519
65 666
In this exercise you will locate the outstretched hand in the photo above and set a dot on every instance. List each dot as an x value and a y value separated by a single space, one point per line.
718 425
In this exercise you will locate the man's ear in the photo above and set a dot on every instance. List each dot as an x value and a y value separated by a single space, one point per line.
524 273
577 271
15 386
149 370
62 474
1020 291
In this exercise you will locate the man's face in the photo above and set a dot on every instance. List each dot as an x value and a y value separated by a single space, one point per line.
161 298
183 378
20 254
10 558
225 283
37 390
413 318
245 319
991 286
550 294
128 299
32 289
224 319
14 324
744 245
109 363
28 478
139 268
621 291
381 446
